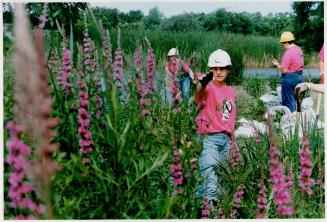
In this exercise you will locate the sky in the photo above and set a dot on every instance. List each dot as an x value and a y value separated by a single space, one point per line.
176 7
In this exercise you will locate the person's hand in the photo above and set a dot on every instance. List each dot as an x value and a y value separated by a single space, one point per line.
206 79
303 86
194 81
275 62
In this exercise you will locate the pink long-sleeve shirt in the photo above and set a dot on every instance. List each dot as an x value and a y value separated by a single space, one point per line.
293 59
321 53
219 110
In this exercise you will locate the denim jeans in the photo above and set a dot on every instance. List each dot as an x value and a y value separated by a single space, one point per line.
215 150
184 86
289 81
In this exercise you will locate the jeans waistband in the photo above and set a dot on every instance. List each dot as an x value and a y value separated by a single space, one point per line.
223 133
298 72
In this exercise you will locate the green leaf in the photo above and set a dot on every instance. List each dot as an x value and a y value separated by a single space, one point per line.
71 40
158 162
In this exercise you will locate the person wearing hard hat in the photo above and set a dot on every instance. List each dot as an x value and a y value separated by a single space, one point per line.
315 87
292 69
177 67
215 121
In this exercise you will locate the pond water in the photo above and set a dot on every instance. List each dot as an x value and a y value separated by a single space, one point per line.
268 73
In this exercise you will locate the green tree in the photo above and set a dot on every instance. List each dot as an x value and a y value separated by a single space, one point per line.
7 13
134 16
154 19
309 24
63 12
181 23
108 16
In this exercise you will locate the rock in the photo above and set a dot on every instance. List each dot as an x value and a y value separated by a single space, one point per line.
307 103
273 110
248 128
246 132
270 100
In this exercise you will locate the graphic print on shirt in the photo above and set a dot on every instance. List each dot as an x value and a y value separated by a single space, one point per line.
227 109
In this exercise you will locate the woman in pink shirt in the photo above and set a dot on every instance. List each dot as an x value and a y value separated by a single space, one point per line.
215 121
315 87
291 68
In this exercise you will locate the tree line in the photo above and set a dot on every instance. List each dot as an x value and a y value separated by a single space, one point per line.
306 20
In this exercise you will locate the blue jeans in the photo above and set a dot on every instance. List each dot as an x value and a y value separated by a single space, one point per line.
289 81
215 150
184 86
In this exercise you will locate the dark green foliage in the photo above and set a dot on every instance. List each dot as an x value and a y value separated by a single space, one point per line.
63 12
153 20
309 25
181 23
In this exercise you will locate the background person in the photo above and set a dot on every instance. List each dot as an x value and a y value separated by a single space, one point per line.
182 70
315 87
292 69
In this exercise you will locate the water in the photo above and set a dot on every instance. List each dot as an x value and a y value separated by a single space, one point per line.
268 73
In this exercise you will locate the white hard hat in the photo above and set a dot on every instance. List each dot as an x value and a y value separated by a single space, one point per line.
219 58
173 52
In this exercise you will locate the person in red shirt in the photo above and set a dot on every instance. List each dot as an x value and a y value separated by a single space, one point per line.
175 67
292 69
215 121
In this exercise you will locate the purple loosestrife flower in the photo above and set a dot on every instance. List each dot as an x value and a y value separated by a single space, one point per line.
87 47
282 196
32 96
177 169
150 67
139 65
118 67
176 110
234 157
237 200
63 78
145 112
19 189
205 208
262 201
118 63
107 51
53 63
85 142
43 17
97 82
221 213
305 180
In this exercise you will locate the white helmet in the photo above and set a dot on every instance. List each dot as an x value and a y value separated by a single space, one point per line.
173 52
219 58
